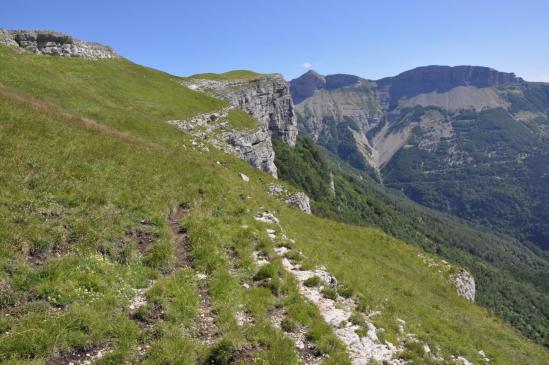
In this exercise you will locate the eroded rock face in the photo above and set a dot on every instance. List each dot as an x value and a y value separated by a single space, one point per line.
55 44
266 98
299 200
255 148
465 285
252 146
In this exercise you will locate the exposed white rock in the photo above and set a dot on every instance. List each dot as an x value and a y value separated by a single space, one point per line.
265 97
465 284
332 183
277 189
300 200
259 259
139 300
252 146
463 361
485 358
244 177
463 281
93 356
271 233
55 44
281 251
362 350
266 217
401 325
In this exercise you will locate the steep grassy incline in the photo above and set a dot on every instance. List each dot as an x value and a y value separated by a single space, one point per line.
120 241
511 279
121 94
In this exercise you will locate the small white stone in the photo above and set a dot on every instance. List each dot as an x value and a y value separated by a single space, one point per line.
266 217
244 177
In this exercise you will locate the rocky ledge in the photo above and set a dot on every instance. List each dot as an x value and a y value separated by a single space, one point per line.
55 44
253 146
265 97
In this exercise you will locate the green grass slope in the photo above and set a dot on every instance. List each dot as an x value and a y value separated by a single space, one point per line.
229 75
511 279
89 175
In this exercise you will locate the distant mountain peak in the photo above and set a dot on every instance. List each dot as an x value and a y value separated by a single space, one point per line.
306 85
437 78
341 80
313 73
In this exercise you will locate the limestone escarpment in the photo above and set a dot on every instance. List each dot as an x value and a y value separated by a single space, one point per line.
55 44
370 121
252 146
265 97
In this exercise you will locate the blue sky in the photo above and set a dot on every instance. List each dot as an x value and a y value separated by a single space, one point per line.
372 39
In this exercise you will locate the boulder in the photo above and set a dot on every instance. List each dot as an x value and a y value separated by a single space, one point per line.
465 284
301 201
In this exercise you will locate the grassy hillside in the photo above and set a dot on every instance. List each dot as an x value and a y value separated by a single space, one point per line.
229 75
511 279
90 173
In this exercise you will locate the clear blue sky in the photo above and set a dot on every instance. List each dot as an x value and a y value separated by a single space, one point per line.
372 39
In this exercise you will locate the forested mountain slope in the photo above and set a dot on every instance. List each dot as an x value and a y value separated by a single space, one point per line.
469 141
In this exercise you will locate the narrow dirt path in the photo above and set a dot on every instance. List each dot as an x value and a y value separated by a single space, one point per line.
205 329
179 235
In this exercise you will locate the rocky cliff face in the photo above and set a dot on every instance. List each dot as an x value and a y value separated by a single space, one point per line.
267 98
428 79
55 44
368 122
252 146
434 131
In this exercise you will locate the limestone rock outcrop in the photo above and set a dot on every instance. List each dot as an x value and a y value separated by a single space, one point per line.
252 146
255 148
265 97
299 199
465 284
55 44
